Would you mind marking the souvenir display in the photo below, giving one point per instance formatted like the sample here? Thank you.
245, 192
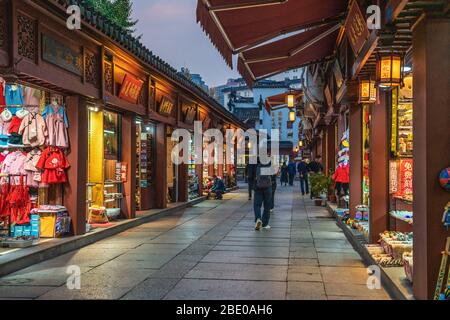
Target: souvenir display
444, 179
406, 216
446, 216
31, 158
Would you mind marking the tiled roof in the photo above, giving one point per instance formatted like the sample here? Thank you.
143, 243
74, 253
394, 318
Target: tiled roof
133, 45
246, 114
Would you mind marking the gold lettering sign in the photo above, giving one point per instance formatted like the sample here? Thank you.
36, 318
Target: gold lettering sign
356, 28
166, 106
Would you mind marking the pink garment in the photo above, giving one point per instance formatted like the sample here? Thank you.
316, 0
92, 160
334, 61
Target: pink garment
34, 176
33, 130
57, 124
13, 165
4, 127
32, 97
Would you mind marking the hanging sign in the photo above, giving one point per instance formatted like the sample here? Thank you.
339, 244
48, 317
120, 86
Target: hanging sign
394, 124
121, 172
189, 113
166, 106
130, 89
406, 177
59, 54
393, 177
356, 28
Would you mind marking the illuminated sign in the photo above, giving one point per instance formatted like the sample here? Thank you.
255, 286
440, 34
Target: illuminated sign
166, 106
130, 89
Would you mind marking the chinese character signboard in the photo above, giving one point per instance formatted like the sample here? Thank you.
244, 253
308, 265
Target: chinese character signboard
131, 89
121, 172
166, 106
393, 177
62, 56
356, 28
406, 177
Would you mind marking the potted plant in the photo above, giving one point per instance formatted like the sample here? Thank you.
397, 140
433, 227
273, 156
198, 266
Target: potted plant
331, 188
319, 188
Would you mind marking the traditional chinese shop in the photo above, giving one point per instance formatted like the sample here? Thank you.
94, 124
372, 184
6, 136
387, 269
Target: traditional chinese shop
86, 126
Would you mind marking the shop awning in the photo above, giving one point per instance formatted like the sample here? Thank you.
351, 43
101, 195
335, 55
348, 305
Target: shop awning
312, 46
280, 99
238, 25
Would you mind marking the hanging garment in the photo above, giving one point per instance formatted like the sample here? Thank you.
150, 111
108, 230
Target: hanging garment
33, 130
54, 164
19, 203
32, 97
57, 124
2, 95
14, 125
34, 176
4, 128
13, 165
342, 174
14, 97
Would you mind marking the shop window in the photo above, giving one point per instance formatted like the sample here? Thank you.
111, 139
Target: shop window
145, 145
193, 184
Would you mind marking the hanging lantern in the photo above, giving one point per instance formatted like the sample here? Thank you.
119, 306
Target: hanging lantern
367, 91
389, 70
290, 100
300, 144
292, 116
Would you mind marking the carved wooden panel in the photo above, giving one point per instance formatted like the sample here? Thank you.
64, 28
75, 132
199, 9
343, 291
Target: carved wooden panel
109, 79
3, 25
26, 37
92, 68
143, 95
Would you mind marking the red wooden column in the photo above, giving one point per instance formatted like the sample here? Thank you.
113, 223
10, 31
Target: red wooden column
183, 180
160, 183
129, 157
331, 148
379, 167
431, 144
356, 157
75, 189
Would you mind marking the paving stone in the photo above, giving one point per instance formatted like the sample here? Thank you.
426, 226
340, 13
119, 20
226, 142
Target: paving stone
305, 291
346, 275
340, 259
151, 289
194, 289
86, 293
238, 272
353, 290
22, 292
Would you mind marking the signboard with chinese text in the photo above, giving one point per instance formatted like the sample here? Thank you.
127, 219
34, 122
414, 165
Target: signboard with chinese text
166, 106
406, 178
130, 89
356, 28
62, 56
121, 172
393, 177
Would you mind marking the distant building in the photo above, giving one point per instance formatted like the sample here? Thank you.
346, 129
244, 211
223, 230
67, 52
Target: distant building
248, 104
196, 78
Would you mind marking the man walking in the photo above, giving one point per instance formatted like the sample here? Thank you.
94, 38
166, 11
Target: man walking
316, 166
302, 169
292, 171
263, 196
250, 172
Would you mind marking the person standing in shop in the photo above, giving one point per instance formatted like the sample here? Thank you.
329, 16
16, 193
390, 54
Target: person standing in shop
302, 169
250, 174
291, 171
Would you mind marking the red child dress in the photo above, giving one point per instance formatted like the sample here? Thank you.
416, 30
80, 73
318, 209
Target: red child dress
54, 164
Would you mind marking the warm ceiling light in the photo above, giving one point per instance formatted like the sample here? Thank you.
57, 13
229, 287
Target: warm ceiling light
292, 115
290, 100
367, 91
300, 143
389, 70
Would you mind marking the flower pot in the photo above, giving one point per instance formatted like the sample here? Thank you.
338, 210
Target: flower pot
318, 202
332, 198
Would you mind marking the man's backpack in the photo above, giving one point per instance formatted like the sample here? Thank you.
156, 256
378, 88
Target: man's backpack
262, 181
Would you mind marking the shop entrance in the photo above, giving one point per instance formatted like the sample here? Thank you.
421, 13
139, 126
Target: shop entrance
105, 186
172, 170
145, 147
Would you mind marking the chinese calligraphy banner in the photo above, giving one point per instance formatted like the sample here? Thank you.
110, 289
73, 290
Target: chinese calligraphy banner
406, 177
356, 28
131, 89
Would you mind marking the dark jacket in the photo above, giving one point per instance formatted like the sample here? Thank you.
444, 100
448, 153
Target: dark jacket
315, 167
302, 169
218, 186
284, 173
250, 171
291, 168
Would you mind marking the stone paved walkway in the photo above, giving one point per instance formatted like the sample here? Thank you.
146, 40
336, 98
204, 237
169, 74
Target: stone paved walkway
210, 251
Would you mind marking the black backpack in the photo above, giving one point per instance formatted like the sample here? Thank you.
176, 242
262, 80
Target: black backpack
262, 181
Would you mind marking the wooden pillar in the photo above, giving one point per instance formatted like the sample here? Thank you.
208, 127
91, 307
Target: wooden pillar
75, 189
331, 148
199, 171
379, 167
356, 157
183, 180
160, 175
129, 157
431, 144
